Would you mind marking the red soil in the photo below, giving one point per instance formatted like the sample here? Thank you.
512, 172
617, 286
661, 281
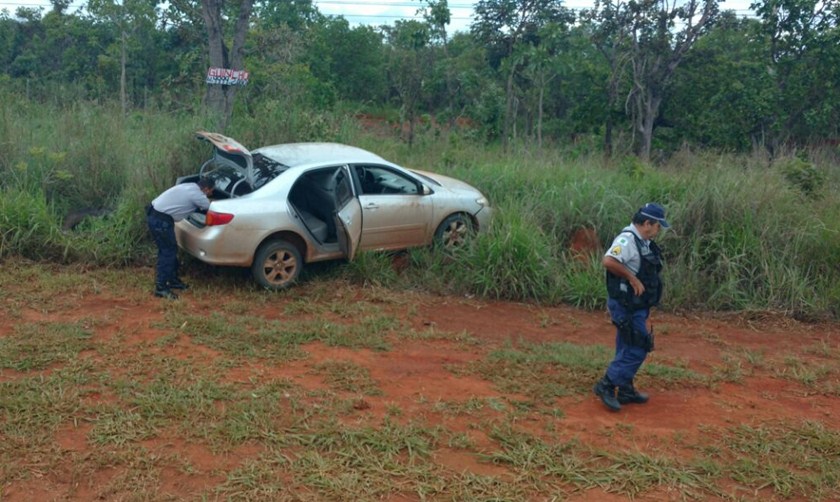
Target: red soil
417, 371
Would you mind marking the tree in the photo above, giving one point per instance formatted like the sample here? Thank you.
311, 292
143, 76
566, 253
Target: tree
609, 31
504, 25
804, 55
58, 48
351, 60
438, 17
723, 95
475, 93
129, 17
409, 59
298, 15
220, 98
651, 37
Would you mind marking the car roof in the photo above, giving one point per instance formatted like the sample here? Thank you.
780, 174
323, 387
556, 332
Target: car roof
298, 154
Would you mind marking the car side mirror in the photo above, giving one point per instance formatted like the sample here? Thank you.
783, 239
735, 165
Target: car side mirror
426, 190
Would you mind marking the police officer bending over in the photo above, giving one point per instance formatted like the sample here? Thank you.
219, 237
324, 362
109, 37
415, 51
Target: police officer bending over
173, 205
633, 264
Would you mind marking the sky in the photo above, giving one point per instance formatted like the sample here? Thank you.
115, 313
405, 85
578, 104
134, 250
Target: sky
378, 12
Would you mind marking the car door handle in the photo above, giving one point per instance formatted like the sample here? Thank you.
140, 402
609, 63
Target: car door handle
372, 205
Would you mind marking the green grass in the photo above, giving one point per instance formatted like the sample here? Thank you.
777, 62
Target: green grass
34, 346
34, 406
199, 382
346, 376
788, 458
809, 374
551, 370
725, 210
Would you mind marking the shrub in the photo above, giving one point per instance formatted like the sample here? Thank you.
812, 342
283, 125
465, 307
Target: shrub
28, 226
803, 175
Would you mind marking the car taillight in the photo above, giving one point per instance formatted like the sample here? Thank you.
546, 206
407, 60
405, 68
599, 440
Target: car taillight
214, 218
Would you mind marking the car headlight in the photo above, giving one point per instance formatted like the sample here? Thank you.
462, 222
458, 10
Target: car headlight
481, 201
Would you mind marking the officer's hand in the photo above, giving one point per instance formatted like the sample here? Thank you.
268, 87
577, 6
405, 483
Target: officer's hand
638, 287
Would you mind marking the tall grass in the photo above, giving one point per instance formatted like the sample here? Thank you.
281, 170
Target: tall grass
745, 235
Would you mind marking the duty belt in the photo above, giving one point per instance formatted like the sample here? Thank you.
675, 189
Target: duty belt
151, 211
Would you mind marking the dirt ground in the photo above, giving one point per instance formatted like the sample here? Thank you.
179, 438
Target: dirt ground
417, 371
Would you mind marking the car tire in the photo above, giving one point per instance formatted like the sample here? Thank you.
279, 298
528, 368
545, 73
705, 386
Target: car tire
453, 232
277, 265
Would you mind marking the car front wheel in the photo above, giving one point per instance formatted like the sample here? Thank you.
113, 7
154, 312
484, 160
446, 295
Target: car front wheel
453, 232
277, 265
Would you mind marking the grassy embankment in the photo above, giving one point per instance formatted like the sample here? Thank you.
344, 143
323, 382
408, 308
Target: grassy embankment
746, 235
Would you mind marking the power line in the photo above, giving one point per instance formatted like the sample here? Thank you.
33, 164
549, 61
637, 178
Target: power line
4, 3
388, 4
395, 16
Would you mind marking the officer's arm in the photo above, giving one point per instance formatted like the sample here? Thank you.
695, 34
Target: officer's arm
618, 268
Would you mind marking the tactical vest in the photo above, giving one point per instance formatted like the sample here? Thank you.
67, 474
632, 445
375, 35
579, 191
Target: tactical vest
620, 289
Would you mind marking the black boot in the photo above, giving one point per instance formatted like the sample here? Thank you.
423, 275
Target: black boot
178, 284
608, 392
162, 292
629, 394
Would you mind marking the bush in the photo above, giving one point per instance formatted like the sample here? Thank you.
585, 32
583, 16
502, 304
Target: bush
28, 226
803, 175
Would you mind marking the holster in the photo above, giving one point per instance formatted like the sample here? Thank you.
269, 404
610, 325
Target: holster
634, 337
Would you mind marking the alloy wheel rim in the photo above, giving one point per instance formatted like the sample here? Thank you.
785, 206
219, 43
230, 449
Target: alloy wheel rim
280, 267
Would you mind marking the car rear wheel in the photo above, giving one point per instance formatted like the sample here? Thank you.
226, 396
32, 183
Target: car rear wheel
454, 231
277, 265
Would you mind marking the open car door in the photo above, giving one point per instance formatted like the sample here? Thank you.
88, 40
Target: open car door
348, 215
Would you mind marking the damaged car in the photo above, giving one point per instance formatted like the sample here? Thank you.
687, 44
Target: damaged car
277, 208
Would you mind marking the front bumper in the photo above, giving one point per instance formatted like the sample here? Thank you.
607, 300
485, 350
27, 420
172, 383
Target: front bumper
483, 217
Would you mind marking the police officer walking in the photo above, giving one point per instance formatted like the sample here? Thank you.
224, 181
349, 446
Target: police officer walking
173, 205
633, 263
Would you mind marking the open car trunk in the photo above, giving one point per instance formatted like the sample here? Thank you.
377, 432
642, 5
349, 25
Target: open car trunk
234, 170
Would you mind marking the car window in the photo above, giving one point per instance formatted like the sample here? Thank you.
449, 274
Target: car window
266, 169
225, 177
382, 180
237, 159
343, 189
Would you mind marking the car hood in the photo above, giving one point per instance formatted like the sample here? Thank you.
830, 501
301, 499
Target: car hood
449, 183
232, 152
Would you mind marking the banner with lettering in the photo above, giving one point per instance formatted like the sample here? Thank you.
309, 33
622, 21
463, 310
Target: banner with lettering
224, 76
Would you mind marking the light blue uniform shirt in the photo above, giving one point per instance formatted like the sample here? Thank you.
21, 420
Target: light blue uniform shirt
181, 200
625, 251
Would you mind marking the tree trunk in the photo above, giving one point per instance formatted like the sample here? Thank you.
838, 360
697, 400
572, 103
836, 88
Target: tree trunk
646, 99
122, 76
651, 110
506, 127
612, 100
220, 98
540, 116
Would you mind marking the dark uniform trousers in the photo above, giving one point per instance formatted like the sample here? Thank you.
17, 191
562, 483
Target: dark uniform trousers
628, 358
162, 228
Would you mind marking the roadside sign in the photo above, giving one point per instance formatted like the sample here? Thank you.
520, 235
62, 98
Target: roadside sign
224, 76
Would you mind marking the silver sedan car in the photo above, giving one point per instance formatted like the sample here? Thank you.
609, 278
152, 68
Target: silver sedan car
279, 207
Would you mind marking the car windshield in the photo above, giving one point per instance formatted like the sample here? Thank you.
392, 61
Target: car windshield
266, 169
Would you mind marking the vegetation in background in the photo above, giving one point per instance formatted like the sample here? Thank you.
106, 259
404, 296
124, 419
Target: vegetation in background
524, 107
733, 245
636, 77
